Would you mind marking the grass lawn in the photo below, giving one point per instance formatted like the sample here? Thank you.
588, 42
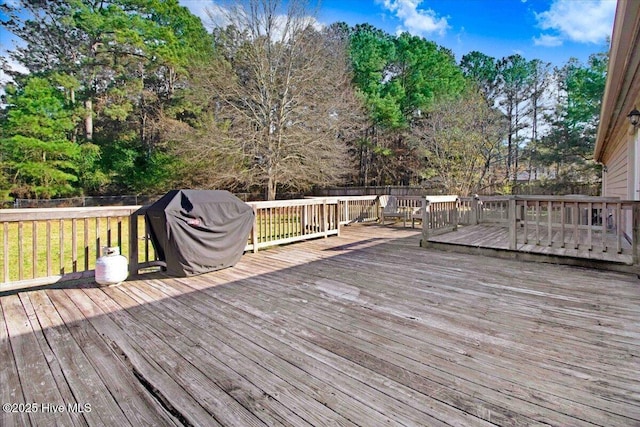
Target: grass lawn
54, 245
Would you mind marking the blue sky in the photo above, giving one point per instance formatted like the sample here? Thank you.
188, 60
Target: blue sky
550, 30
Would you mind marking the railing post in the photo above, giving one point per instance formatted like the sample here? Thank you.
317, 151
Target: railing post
635, 238
254, 230
346, 211
513, 222
304, 220
324, 219
337, 216
475, 213
426, 217
455, 214
133, 243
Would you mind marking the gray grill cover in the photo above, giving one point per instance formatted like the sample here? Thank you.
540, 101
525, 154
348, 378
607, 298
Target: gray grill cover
197, 231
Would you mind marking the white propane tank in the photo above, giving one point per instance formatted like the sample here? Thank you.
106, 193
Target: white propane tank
111, 268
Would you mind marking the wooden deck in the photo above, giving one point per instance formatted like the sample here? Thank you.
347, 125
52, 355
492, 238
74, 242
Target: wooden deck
496, 237
365, 329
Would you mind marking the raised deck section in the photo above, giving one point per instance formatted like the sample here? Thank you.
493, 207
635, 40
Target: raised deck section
493, 240
363, 329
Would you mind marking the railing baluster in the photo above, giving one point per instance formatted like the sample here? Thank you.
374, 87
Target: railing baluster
5, 245
589, 226
549, 222
5, 252
74, 244
48, 243
98, 239
513, 231
34, 249
147, 231
119, 228
562, 224
525, 222
604, 226
86, 243
538, 213
618, 227
61, 246
109, 232
20, 252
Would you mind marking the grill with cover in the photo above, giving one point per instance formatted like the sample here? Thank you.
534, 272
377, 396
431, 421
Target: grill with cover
198, 231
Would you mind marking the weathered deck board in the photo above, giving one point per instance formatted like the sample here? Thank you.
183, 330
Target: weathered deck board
366, 329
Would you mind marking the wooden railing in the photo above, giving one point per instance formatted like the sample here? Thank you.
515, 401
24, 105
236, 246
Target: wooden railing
276, 222
579, 223
484, 210
439, 215
352, 209
287, 221
43, 246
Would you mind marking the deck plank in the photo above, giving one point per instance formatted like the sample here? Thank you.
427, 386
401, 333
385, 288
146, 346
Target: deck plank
170, 392
222, 408
85, 382
364, 329
194, 343
132, 398
10, 391
37, 381
410, 359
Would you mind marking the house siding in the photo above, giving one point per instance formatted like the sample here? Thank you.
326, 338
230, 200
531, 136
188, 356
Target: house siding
617, 180
616, 146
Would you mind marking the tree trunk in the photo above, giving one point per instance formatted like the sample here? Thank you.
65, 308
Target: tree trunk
271, 188
88, 120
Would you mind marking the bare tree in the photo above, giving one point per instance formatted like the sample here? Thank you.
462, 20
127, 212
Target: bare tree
461, 139
280, 96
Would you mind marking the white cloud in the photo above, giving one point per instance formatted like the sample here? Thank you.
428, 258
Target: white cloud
215, 15
583, 21
547, 40
414, 20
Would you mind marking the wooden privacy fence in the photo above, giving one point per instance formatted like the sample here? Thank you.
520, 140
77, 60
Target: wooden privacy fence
569, 222
43, 246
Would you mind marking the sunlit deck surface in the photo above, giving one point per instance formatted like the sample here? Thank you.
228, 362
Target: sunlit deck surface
364, 329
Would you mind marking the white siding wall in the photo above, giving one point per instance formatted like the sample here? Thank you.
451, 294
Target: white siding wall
617, 181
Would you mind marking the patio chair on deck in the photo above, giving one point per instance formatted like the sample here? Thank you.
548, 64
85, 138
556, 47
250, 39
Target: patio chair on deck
416, 214
389, 209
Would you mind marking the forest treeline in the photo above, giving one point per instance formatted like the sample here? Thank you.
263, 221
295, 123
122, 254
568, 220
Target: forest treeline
137, 96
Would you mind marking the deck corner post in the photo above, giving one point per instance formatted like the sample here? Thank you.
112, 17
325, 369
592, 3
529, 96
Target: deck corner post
254, 230
346, 212
513, 221
456, 207
426, 221
475, 213
133, 243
